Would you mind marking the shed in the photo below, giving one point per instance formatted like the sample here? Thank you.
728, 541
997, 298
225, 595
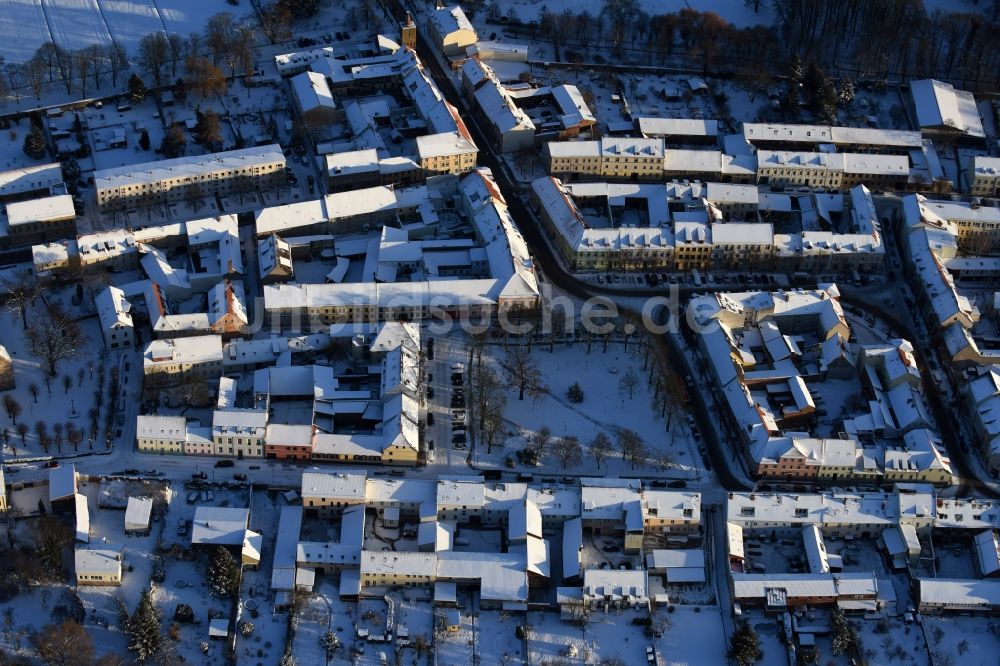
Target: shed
137, 515
218, 628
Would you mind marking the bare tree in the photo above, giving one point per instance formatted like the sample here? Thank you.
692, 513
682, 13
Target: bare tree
84, 60
178, 51
632, 448
34, 74
219, 31
664, 461
240, 52
567, 451
55, 337
12, 407
22, 431
493, 421
205, 78
600, 448
542, 438
14, 78
98, 61
154, 54
486, 389
629, 382
117, 58
276, 22
74, 435
19, 292
42, 430
65, 644
193, 391
523, 373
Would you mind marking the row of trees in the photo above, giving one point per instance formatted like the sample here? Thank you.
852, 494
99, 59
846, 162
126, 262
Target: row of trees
80, 68
897, 38
225, 42
867, 39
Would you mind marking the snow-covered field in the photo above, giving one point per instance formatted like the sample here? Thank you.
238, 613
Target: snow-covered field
27, 24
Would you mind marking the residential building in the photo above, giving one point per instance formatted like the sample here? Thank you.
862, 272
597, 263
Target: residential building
239, 432
115, 314
313, 100
31, 182
160, 434
98, 566
6, 370
984, 176
199, 356
274, 256
155, 183
452, 31
41, 220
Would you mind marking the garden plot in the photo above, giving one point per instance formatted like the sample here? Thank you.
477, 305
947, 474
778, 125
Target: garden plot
692, 636
266, 642
324, 611
963, 639
606, 407
604, 638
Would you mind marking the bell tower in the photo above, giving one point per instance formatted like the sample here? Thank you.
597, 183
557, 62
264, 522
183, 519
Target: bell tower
408, 32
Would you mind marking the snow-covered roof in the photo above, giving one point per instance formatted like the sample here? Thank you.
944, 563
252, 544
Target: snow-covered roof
97, 562
340, 485
453, 494
158, 426
450, 19
29, 179
138, 512
198, 349
664, 127
961, 594
312, 92
217, 525
501, 576
188, 166
400, 563
285, 548
62, 482
444, 144
939, 104
46, 209
112, 308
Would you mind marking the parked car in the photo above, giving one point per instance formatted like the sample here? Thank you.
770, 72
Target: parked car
224, 463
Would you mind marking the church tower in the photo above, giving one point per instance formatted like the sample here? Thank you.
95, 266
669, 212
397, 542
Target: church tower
408, 32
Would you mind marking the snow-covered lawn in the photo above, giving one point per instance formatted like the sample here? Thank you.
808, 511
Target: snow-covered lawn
692, 637
963, 639
606, 408
55, 404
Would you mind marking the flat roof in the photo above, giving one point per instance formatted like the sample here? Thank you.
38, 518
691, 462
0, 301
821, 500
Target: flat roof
219, 525
46, 209
27, 179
